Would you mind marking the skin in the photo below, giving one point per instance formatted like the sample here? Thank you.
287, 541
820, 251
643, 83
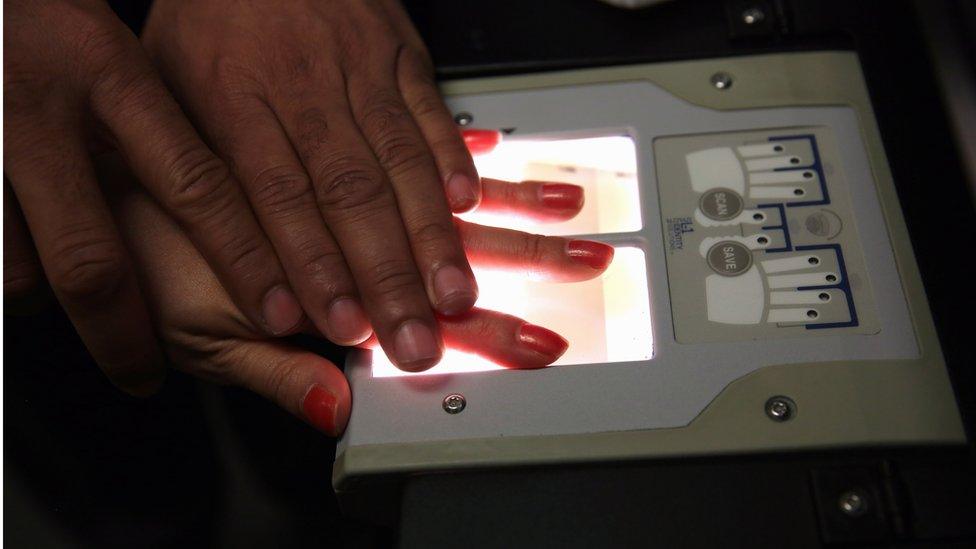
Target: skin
207, 335
328, 115
325, 153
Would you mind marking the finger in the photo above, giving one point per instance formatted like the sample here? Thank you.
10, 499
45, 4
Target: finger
360, 209
415, 76
193, 185
537, 200
404, 156
302, 383
503, 339
284, 201
481, 142
82, 254
23, 277
539, 257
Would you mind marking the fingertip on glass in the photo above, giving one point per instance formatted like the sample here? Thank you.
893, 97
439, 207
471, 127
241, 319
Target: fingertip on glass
415, 347
543, 341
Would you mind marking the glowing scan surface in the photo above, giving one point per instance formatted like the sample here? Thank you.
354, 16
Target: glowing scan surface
606, 168
606, 319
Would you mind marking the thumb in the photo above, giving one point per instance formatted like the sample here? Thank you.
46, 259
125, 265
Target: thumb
305, 384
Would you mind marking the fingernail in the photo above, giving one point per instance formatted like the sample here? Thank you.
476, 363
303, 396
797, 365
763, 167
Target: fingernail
595, 255
481, 141
320, 409
461, 193
281, 311
454, 292
347, 322
542, 341
416, 347
560, 196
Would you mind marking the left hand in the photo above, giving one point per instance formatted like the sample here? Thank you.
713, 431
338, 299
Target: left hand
328, 114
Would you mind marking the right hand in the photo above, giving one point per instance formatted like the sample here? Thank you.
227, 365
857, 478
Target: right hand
207, 336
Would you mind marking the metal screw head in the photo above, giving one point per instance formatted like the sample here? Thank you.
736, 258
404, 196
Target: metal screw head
753, 15
780, 408
721, 80
463, 118
853, 503
454, 403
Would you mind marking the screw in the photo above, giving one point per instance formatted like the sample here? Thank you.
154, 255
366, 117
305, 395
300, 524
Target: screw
780, 408
463, 118
853, 503
722, 80
454, 403
752, 16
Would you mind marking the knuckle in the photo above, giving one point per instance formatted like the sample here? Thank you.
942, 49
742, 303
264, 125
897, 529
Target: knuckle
432, 232
232, 79
388, 123
87, 267
391, 278
533, 249
281, 189
282, 376
318, 260
400, 151
208, 359
349, 184
21, 277
297, 64
313, 129
198, 179
244, 258
427, 104
383, 110
450, 148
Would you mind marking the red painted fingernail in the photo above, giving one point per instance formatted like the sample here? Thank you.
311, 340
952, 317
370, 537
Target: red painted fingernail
595, 255
281, 311
481, 141
320, 409
542, 341
560, 196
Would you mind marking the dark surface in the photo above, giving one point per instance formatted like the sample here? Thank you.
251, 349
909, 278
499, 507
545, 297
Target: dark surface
758, 501
197, 466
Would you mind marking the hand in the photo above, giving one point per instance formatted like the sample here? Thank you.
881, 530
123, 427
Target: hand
206, 335
329, 115
75, 76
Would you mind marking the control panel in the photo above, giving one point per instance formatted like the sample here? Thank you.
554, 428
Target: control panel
760, 237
